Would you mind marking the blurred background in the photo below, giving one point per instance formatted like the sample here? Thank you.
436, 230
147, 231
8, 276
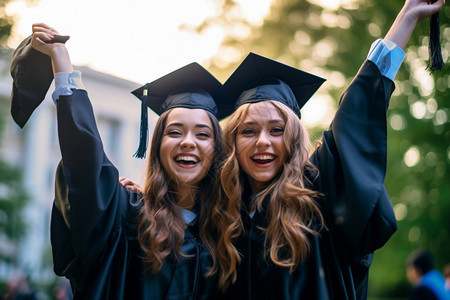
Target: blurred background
119, 46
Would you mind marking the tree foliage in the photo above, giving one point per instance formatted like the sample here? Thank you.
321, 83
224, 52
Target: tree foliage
6, 23
333, 42
13, 197
12, 201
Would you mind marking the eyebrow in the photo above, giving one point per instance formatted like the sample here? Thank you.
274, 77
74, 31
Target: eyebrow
178, 124
250, 123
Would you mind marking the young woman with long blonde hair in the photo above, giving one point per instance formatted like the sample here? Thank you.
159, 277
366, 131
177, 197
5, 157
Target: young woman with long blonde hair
307, 223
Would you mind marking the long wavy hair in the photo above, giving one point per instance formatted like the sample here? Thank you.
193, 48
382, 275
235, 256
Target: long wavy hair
291, 209
161, 226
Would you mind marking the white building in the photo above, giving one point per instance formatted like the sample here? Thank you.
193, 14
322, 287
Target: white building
35, 149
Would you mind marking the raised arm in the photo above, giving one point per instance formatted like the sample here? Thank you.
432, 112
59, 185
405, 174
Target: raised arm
412, 12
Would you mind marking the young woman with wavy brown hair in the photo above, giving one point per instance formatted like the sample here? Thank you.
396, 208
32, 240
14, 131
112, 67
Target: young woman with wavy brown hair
307, 224
158, 240
111, 242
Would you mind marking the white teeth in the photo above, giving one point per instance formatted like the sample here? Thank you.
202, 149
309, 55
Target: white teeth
187, 158
263, 157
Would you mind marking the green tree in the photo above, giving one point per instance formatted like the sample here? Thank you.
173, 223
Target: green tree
6, 23
12, 201
332, 42
13, 197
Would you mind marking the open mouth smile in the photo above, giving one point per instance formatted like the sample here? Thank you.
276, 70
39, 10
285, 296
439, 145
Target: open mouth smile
187, 160
263, 158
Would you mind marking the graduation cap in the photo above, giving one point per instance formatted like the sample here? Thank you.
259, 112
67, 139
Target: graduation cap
259, 78
32, 75
191, 86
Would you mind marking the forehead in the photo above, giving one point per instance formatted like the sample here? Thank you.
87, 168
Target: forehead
263, 110
187, 116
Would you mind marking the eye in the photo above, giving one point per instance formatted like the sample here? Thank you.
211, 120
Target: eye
203, 135
173, 132
277, 130
247, 131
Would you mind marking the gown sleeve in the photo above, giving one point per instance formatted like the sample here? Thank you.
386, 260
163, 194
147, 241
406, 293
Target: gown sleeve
352, 166
90, 204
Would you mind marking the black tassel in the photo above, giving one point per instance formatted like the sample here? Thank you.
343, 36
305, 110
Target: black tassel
143, 138
435, 61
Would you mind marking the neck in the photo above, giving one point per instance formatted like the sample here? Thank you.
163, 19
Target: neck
257, 186
185, 196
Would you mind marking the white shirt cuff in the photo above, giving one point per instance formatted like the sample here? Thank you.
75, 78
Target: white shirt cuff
387, 56
65, 82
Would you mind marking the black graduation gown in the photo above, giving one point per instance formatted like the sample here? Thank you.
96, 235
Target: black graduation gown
357, 211
94, 224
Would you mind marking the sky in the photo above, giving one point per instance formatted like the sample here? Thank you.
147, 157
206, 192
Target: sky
141, 40
138, 40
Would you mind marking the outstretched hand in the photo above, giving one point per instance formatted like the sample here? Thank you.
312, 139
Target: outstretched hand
42, 35
421, 9
412, 12
129, 184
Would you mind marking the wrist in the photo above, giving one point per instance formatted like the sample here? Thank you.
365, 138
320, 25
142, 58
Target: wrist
60, 59
57, 50
408, 16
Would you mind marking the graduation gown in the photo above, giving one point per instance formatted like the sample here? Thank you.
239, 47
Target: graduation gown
94, 224
356, 208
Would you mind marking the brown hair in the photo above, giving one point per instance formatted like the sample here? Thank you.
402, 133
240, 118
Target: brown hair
291, 208
161, 228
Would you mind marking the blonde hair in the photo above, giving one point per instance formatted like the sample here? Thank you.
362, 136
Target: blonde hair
291, 208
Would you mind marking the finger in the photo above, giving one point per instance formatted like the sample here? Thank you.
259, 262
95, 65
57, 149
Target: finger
439, 4
43, 36
40, 41
133, 188
49, 33
127, 182
43, 26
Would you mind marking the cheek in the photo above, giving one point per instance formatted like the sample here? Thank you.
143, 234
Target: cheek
282, 149
242, 145
208, 153
240, 149
164, 152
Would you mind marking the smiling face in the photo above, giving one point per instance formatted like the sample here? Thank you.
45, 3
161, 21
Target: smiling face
260, 147
187, 145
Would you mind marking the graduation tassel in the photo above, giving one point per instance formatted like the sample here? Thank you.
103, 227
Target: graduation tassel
435, 61
143, 138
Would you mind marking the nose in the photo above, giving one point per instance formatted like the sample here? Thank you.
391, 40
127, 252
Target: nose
263, 139
187, 142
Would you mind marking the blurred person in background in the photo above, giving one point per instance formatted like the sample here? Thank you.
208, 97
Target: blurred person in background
428, 283
447, 277
18, 288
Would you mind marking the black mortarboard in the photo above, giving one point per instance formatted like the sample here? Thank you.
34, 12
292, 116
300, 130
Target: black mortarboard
258, 79
191, 86
32, 75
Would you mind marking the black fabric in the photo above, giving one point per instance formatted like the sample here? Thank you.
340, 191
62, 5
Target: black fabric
357, 211
422, 293
259, 78
191, 86
94, 224
32, 75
